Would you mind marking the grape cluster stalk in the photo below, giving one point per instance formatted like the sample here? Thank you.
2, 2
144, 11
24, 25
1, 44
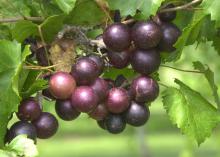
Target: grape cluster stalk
109, 102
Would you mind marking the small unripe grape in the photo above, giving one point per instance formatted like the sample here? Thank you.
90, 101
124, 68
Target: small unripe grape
62, 85
115, 124
168, 16
137, 114
46, 125
65, 110
146, 35
101, 124
117, 37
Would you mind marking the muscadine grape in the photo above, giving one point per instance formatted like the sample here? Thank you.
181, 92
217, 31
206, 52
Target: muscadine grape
85, 71
46, 125
41, 56
28, 110
62, 85
115, 124
84, 99
118, 100
99, 113
46, 93
137, 114
100, 87
65, 110
145, 61
145, 89
117, 37
20, 128
119, 59
170, 36
101, 124
110, 83
146, 35
168, 16
99, 62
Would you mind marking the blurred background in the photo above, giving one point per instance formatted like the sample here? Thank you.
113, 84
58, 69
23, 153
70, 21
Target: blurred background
158, 138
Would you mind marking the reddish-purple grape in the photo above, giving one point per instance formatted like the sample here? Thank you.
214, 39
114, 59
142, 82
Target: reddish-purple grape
145, 89
171, 33
168, 16
62, 85
145, 61
22, 128
28, 110
115, 124
99, 62
65, 110
84, 99
119, 59
117, 37
118, 100
137, 114
100, 87
85, 71
146, 35
99, 113
46, 125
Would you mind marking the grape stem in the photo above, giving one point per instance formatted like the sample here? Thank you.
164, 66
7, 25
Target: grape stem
183, 70
35, 67
15, 19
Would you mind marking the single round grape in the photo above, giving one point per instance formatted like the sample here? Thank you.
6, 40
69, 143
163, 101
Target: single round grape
29, 110
119, 59
137, 114
168, 16
46, 125
99, 113
117, 37
115, 124
22, 128
46, 93
84, 99
145, 89
62, 85
100, 87
171, 33
145, 61
118, 100
85, 71
110, 83
146, 35
41, 57
120, 80
101, 124
65, 110
99, 62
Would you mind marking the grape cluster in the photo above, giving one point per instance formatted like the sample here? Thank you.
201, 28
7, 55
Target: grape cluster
109, 102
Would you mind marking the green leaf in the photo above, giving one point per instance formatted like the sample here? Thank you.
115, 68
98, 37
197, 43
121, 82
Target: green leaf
86, 13
112, 73
65, 5
51, 26
193, 114
11, 59
210, 78
23, 30
5, 32
5, 153
23, 146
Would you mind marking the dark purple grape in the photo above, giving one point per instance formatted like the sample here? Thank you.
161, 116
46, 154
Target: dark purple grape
22, 128
119, 59
117, 37
29, 110
118, 100
99, 113
46, 125
168, 16
101, 124
145, 89
85, 71
84, 99
46, 93
171, 33
110, 83
99, 62
62, 85
65, 110
137, 114
115, 124
146, 35
100, 87
145, 61
6, 138
41, 56
120, 80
